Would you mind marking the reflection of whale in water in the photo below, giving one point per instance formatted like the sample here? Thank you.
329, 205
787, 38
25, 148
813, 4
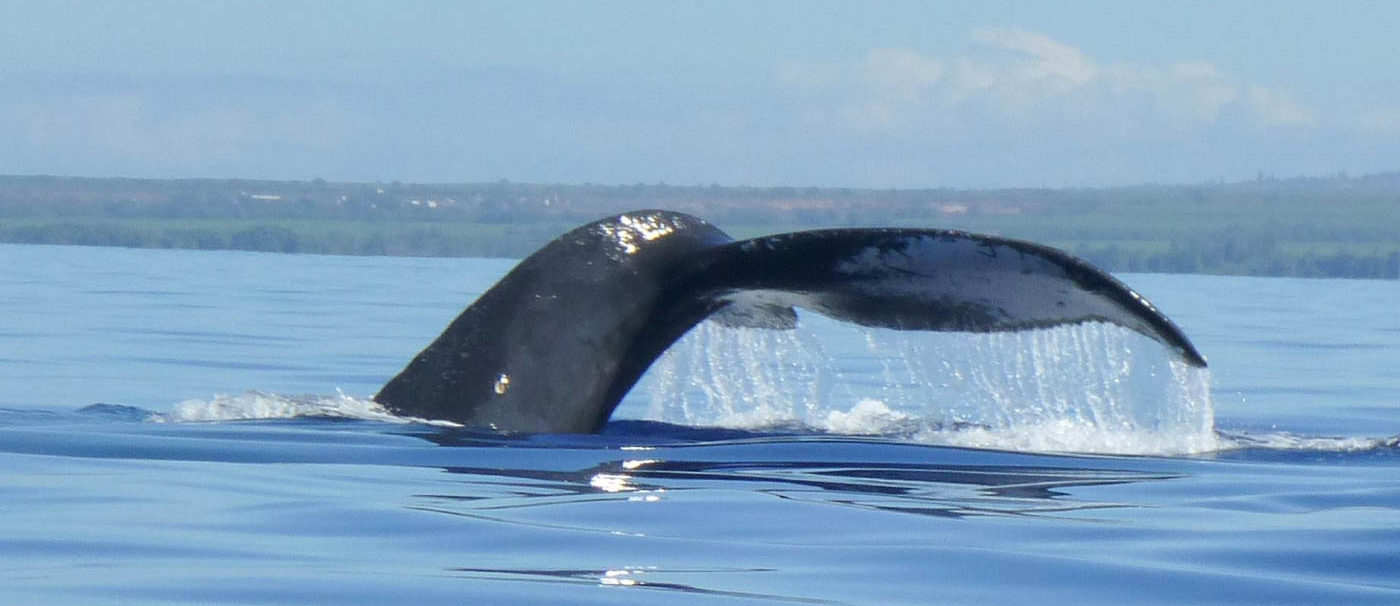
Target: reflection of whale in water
958, 485
555, 345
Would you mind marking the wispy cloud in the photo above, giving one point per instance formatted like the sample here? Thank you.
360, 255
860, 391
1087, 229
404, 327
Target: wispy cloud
1275, 107
903, 70
1010, 106
1040, 59
1027, 75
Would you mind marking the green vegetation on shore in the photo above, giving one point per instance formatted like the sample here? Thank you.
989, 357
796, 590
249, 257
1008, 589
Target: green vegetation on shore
1334, 227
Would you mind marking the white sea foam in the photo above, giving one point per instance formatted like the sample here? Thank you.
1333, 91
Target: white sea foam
1074, 436
252, 405
869, 417
1083, 389
1289, 441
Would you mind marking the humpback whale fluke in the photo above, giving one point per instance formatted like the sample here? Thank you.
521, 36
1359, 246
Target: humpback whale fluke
555, 345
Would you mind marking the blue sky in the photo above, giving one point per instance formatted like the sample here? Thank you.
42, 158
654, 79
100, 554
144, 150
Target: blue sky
886, 94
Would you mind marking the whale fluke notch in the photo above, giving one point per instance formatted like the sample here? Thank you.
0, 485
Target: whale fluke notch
557, 343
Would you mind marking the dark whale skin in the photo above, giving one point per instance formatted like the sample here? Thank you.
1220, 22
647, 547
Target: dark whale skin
555, 344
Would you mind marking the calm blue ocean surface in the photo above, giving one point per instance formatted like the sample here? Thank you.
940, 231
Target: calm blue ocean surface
194, 427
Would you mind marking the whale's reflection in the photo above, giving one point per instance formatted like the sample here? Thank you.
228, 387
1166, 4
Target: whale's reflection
638, 577
931, 489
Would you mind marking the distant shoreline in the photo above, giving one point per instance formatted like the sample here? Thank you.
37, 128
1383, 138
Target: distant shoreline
1315, 227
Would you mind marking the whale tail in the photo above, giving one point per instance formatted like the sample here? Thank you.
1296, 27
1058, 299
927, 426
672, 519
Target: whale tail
557, 343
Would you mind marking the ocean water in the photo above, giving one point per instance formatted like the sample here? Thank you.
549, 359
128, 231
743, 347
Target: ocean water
194, 427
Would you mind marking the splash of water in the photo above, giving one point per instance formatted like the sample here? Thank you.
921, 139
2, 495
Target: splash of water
760, 379
750, 378
1087, 388
252, 405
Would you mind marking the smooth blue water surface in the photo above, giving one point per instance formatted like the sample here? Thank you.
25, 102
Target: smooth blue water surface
312, 502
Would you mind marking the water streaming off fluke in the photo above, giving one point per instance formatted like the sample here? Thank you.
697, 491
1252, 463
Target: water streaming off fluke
1084, 388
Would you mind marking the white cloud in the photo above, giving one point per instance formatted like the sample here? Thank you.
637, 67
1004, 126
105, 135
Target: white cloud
1194, 92
1018, 74
1043, 59
1275, 107
1205, 90
902, 69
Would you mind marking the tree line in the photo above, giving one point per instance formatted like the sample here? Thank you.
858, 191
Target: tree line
1335, 226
